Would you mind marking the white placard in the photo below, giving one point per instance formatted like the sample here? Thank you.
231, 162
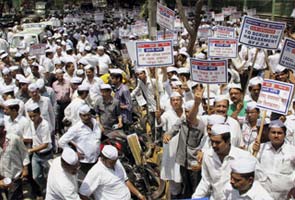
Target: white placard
275, 96
37, 49
204, 32
224, 32
222, 48
154, 53
165, 17
287, 57
169, 35
261, 33
209, 71
140, 28
218, 17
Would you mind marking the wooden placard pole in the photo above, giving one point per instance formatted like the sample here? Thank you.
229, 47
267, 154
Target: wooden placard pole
258, 138
251, 71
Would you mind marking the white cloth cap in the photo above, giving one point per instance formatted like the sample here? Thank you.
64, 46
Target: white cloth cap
188, 105
68, 48
221, 98
276, 124
84, 109
32, 106
13, 68
83, 87
110, 152
251, 105
105, 86
88, 67
23, 80
243, 165
100, 48
49, 50
174, 77
279, 69
76, 80
83, 61
11, 102
40, 83
69, 156
80, 72
59, 71
8, 88
184, 53
171, 69
5, 71
176, 83
215, 119
140, 69
234, 86
255, 81
218, 129
19, 76
175, 94
115, 71
33, 87
4, 55
87, 48
183, 70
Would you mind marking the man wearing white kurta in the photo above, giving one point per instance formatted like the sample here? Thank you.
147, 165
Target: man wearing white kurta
278, 161
216, 163
170, 170
65, 167
242, 184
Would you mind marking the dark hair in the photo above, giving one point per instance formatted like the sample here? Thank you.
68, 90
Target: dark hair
14, 107
248, 175
9, 93
116, 76
283, 127
81, 92
225, 136
37, 110
250, 87
68, 65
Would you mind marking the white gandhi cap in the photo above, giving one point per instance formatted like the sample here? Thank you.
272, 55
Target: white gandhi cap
215, 119
69, 156
32, 106
110, 152
84, 109
218, 129
243, 165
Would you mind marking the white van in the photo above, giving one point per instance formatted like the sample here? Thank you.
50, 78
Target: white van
31, 36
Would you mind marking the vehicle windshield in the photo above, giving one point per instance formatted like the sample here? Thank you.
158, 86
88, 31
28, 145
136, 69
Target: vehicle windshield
29, 39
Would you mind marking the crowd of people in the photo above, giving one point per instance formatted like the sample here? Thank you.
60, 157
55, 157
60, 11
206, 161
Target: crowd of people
81, 89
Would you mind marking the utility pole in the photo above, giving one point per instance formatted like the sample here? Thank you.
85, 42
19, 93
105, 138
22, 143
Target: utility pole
152, 5
245, 5
273, 10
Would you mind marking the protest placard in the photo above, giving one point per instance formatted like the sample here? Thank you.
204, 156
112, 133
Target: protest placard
222, 48
169, 35
218, 17
204, 32
165, 17
209, 71
224, 32
37, 49
275, 96
287, 57
154, 53
261, 33
178, 25
140, 28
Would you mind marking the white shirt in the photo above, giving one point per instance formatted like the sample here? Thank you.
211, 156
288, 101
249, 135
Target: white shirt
41, 135
87, 140
19, 126
290, 124
280, 168
46, 110
65, 187
215, 175
106, 183
72, 110
48, 64
170, 170
104, 61
256, 192
249, 134
260, 59
94, 90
